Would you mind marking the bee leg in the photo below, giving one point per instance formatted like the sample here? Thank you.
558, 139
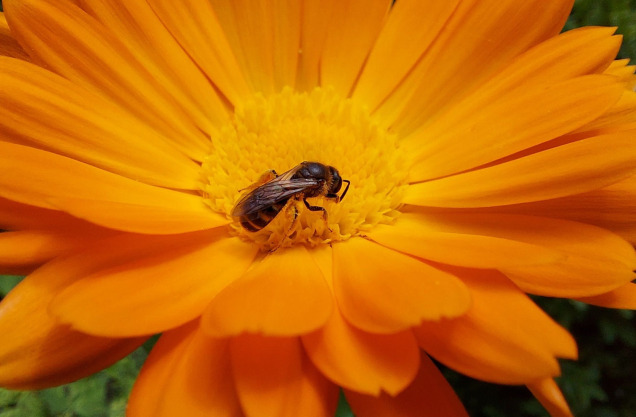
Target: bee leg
335, 197
318, 208
291, 212
293, 209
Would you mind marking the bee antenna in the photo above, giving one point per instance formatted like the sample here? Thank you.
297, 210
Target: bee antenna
346, 189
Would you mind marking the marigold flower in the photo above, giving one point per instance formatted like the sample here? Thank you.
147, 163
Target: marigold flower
488, 155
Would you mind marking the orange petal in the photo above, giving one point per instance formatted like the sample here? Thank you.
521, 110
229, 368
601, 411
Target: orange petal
351, 32
283, 294
479, 39
315, 17
622, 113
550, 396
570, 169
621, 297
363, 362
594, 260
323, 256
429, 395
571, 54
137, 25
444, 239
590, 268
383, 291
265, 37
186, 374
17, 216
8, 45
612, 207
80, 48
524, 118
194, 26
274, 378
51, 112
144, 218
504, 337
36, 350
624, 72
47, 180
411, 27
184, 279
587, 50
22, 251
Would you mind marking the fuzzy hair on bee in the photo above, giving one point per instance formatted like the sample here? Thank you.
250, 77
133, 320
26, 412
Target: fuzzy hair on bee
258, 207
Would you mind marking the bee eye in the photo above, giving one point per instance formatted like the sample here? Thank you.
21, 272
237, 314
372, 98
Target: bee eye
337, 180
337, 185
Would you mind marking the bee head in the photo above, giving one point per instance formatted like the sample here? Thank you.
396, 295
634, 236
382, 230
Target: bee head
336, 180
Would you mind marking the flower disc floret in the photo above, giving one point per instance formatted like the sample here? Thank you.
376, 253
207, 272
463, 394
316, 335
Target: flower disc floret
283, 130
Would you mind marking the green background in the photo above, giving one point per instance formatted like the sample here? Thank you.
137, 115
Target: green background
601, 384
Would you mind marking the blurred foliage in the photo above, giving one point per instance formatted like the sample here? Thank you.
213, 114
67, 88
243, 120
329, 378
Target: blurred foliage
101, 395
602, 383
620, 13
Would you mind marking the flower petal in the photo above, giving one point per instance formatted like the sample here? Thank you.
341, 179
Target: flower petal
315, 18
351, 32
411, 24
184, 279
621, 297
504, 337
524, 118
274, 377
481, 37
36, 350
51, 112
17, 216
145, 218
622, 113
440, 238
22, 251
85, 52
284, 294
62, 354
619, 68
565, 170
363, 362
264, 37
194, 25
612, 207
571, 54
382, 291
593, 260
186, 374
429, 395
99, 196
550, 396
136, 24
589, 268
8, 45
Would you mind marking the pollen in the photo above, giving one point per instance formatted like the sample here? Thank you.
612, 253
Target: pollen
281, 131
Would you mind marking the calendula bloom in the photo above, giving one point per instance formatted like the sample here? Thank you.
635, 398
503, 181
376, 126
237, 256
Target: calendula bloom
489, 157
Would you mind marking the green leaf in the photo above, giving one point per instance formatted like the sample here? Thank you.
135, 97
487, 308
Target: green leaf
7, 282
343, 409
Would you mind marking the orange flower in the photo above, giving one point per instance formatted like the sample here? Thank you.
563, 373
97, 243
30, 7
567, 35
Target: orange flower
489, 156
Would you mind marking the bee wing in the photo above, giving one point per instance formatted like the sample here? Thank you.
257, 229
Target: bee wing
274, 191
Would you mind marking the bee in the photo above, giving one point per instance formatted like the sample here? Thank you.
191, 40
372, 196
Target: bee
264, 202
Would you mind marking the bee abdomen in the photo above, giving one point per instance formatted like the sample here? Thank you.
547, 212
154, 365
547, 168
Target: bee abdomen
256, 221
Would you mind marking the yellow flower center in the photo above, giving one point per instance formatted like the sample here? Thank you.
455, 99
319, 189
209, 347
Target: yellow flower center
280, 132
